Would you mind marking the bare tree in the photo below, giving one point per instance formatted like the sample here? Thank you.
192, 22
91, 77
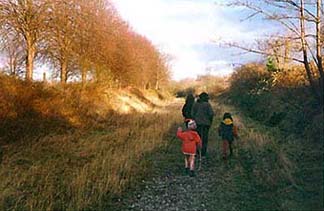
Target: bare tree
319, 47
25, 18
86, 39
61, 33
301, 23
279, 49
12, 49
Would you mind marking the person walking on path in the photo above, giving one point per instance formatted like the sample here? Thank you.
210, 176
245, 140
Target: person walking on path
186, 109
190, 140
228, 131
203, 114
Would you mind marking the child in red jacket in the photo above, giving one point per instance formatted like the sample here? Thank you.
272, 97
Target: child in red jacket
190, 139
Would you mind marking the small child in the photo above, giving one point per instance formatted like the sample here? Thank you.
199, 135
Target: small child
228, 131
190, 139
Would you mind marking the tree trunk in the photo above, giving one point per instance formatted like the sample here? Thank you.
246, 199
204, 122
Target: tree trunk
304, 49
319, 51
44, 77
15, 67
83, 75
11, 65
157, 85
286, 58
30, 60
63, 72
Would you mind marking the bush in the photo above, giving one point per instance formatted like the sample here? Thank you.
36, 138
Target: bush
315, 130
280, 99
249, 89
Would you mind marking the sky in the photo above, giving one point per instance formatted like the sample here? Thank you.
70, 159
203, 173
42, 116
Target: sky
193, 33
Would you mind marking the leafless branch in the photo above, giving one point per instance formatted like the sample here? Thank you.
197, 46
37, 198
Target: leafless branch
260, 52
290, 25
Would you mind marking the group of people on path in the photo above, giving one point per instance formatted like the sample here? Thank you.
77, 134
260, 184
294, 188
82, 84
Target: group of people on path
198, 117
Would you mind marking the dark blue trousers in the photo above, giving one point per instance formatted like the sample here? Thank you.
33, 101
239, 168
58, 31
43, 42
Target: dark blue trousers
203, 131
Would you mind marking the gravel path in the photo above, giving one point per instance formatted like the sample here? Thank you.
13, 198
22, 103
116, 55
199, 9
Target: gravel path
174, 190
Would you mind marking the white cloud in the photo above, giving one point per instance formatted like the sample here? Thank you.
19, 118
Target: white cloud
219, 67
177, 27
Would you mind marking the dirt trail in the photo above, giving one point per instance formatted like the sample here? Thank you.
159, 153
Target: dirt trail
171, 189
178, 191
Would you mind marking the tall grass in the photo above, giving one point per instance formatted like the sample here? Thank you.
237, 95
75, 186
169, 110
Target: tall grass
282, 100
284, 172
85, 166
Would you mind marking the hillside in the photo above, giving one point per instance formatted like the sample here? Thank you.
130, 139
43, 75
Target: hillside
72, 147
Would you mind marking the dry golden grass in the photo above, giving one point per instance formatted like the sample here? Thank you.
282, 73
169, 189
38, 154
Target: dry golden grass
86, 167
261, 146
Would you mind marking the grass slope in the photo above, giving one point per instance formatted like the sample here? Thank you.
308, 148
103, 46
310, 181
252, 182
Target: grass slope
82, 166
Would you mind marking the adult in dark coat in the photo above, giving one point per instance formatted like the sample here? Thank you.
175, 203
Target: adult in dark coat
186, 109
203, 114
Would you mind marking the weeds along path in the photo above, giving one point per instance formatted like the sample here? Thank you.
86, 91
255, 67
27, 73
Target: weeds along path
259, 176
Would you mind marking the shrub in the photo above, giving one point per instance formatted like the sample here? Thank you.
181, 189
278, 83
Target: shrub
249, 89
315, 130
281, 98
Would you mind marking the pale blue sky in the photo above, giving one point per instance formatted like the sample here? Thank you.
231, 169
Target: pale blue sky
191, 32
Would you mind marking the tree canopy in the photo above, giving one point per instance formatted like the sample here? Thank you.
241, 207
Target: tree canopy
84, 40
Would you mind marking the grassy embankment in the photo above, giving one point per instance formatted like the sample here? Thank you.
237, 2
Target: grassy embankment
73, 148
287, 158
272, 171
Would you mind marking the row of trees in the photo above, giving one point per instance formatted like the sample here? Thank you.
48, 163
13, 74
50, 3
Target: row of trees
301, 40
77, 38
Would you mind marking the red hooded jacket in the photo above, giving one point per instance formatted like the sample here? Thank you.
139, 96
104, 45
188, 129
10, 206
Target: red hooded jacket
190, 139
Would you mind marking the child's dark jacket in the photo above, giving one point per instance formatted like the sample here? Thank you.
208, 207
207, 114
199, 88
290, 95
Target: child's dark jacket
227, 130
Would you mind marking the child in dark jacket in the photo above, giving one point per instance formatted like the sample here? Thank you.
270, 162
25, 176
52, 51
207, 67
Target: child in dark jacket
228, 131
190, 139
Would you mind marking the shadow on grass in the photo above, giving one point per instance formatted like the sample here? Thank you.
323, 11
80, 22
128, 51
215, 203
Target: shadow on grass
30, 126
164, 161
